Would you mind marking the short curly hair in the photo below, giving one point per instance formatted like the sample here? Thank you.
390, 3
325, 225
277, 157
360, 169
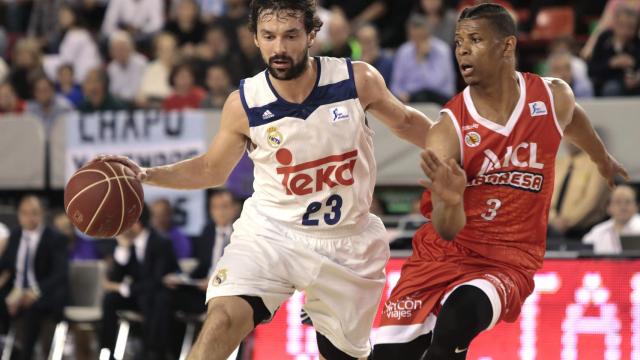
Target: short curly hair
312, 22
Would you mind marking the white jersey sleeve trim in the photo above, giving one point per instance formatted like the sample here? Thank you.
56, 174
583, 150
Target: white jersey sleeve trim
553, 107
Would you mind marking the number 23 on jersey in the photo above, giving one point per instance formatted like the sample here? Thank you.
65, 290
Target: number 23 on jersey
330, 217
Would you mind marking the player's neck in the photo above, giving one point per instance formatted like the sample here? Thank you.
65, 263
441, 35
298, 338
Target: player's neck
298, 89
497, 99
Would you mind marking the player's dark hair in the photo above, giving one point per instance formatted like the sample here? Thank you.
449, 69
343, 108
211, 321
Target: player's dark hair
502, 22
312, 22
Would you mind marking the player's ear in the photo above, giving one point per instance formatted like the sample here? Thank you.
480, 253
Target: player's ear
311, 38
255, 40
510, 45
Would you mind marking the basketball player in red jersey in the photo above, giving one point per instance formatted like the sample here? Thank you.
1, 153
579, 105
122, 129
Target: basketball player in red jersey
473, 264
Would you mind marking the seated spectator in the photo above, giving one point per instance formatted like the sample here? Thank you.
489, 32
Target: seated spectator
92, 11
162, 222
126, 67
186, 94
210, 10
141, 18
46, 104
367, 37
567, 44
559, 65
187, 27
144, 257
37, 255
359, 12
66, 85
219, 86
96, 94
155, 85
9, 101
339, 43
607, 18
41, 23
443, 19
625, 220
236, 14
215, 50
27, 65
250, 60
579, 195
615, 64
5, 280
79, 247
423, 67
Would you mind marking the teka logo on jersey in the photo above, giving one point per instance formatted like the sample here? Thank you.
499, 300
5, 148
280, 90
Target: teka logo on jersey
312, 176
402, 308
524, 155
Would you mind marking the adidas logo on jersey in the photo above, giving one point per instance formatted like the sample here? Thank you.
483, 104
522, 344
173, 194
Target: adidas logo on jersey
267, 115
538, 108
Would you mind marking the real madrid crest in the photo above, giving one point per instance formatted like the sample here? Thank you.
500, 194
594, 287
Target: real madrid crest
274, 137
472, 139
219, 277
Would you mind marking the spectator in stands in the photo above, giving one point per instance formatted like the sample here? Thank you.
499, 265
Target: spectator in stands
126, 67
359, 12
578, 196
77, 46
369, 41
41, 23
443, 19
46, 104
423, 67
214, 50
186, 94
567, 44
155, 85
27, 65
236, 14
208, 248
559, 65
96, 93
625, 220
38, 256
92, 12
210, 10
615, 64
162, 222
9, 101
5, 280
144, 257
141, 18
79, 247
218, 85
186, 26
606, 21
250, 60
66, 85
340, 44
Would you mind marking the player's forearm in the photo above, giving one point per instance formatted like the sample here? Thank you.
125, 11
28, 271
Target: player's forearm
582, 134
188, 174
448, 220
415, 127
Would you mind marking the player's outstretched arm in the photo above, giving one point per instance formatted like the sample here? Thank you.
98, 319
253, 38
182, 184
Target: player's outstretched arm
578, 130
206, 170
405, 121
446, 180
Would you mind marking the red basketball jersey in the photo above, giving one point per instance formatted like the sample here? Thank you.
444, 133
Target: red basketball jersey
510, 173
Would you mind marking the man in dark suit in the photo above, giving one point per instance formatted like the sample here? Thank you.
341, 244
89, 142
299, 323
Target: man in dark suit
37, 257
141, 259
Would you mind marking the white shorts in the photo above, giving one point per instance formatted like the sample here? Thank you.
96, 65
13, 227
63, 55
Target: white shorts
343, 277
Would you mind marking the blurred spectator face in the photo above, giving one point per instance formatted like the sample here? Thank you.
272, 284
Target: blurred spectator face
367, 36
166, 48
222, 208
625, 26
187, 12
284, 43
8, 98
245, 41
94, 87
121, 47
183, 80
161, 215
62, 223
431, 7
65, 76
622, 205
418, 32
216, 41
66, 17
30, 213
27, 54
43, 91
339, 30
559, 66
218, 80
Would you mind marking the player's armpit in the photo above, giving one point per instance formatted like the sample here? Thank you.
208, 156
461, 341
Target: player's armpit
405, 121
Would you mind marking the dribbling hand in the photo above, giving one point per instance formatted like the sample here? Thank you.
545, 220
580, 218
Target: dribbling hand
141, 173
445, 180
610, 168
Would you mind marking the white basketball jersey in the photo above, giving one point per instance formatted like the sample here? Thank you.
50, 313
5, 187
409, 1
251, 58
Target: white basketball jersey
314, 163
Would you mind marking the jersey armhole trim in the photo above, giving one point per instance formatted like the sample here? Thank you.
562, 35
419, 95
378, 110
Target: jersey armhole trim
244, 101
351, 76
553, 108
454, 120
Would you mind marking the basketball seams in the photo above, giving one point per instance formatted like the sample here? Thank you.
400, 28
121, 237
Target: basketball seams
135, 193
92, 185
121, 198
104, 199
106, 178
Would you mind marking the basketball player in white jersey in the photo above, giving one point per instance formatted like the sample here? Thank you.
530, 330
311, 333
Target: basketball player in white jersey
307, 227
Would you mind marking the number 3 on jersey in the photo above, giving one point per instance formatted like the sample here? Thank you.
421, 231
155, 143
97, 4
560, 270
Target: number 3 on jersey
330, 218
492, 210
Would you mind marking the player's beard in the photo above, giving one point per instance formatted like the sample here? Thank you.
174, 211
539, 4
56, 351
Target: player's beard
295, 70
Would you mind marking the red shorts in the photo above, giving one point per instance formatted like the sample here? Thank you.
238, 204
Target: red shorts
434, 270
